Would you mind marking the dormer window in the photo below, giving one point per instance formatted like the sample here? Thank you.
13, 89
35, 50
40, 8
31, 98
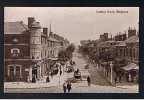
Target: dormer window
15, 52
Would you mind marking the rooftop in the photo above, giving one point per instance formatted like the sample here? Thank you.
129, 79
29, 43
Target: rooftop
52, 39
121, 43
14, 27
107, 43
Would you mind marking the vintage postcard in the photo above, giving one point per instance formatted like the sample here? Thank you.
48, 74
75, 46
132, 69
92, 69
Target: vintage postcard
71, 49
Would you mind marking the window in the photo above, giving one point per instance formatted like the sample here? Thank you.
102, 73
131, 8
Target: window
18, 71
15, 52
127, 52
14, 71
134, 53
130, 52
11, 71
45, 53
36, 40
15, 40
124, 52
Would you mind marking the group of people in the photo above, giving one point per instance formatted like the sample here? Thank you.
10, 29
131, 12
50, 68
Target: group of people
67, 86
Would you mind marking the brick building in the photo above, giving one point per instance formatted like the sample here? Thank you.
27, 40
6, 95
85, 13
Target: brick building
28, 50
17, 51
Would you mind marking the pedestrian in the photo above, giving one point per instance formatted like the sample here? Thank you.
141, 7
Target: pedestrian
129, 77
64, 87
28, 78
47, 79
120, 77
88, 81
69, 86
33, 79
115, 79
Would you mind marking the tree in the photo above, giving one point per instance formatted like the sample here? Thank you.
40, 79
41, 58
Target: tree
62, 55
70, 48
65, 55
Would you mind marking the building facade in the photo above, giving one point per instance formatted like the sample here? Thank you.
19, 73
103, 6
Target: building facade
17, 51
129, 48
114, 56
29, 49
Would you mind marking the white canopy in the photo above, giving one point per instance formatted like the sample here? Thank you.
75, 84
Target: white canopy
131, 66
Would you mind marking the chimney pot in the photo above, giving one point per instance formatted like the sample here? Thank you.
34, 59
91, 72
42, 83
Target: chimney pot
45, 31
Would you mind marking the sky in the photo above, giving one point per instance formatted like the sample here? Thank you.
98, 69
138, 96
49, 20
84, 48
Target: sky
78, 23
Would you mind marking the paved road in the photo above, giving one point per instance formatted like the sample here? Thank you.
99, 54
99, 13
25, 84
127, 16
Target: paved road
96, 78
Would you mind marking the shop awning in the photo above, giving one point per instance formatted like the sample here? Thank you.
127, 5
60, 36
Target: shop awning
53, 58
131, 66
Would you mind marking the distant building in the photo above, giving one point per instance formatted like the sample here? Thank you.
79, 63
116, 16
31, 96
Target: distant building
120, 37
104, 37
106, 49
131, 32
132, 49
129, 48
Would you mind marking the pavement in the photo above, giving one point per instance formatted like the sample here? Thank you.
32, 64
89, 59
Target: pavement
55, 81
79, 87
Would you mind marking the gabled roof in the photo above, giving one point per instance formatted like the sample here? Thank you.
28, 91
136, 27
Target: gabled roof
132, 39
14, 27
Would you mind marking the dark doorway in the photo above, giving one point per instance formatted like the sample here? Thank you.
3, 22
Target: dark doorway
34, 72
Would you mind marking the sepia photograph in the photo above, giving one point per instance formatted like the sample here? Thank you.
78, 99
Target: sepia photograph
71, 49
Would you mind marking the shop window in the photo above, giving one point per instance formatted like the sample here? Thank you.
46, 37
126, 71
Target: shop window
14, 71
11, 71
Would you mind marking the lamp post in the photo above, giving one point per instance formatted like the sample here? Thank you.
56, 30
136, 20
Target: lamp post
59, 80
60, 73
111, 67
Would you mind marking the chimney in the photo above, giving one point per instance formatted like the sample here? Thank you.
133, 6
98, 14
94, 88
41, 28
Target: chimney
105, 36
124, 37
30, 21
45, 31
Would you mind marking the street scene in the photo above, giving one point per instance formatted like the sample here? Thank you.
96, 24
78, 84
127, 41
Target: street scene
71, 50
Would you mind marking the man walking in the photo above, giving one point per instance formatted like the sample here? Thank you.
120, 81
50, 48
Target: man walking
64, 87
69, 86
88, 81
